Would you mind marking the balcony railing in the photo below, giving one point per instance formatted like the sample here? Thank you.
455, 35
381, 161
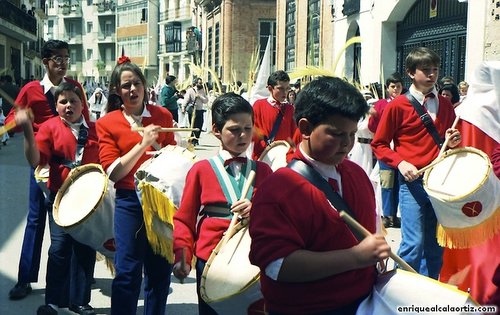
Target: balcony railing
106, 7
176, 14
16, 16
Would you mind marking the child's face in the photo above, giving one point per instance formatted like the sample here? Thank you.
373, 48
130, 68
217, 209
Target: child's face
236, 135
463, 90
69, 106
446, 94
330, 141
279, 91
425, 78
394, 89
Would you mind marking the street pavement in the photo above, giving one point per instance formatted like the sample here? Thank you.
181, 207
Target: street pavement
14, 174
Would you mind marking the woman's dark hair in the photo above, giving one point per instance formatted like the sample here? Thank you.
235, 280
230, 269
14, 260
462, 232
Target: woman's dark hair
455, 94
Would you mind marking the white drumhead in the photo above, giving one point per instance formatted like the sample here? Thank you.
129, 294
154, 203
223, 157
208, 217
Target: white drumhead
458, 174
275, 155
231, 272
81, 197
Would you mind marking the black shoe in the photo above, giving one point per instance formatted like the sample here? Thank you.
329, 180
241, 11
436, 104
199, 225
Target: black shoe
20, 291
46, 310
388, 222
82, 309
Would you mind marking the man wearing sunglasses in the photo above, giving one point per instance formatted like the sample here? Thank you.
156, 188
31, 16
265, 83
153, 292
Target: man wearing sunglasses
38, 96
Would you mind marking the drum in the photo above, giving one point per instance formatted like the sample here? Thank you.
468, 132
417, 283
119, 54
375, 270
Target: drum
84, 207
275, 154
159, 184
465, 194
403, 292
230, 283
42, 177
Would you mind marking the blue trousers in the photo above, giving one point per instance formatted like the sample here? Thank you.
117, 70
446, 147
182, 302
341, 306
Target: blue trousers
419, 247
70, 268
133, 252
29, 262
389, 183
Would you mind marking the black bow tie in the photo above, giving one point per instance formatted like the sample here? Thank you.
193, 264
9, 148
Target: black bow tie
240, 159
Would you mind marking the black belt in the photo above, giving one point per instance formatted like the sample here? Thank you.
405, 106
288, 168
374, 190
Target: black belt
364, 140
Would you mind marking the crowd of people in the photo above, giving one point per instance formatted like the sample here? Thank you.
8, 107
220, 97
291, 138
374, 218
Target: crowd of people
310, 260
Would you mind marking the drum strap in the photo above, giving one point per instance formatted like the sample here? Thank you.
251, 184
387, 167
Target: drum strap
276, 126
230, 186
319, 182
426, 119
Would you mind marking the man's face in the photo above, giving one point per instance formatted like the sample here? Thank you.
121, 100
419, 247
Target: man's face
58, 63
279, 91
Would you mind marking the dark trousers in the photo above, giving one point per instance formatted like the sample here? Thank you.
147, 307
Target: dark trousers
345, 310
203, 307
175, 114
29, 262
389, 184
70, 268
133, 252
198, 122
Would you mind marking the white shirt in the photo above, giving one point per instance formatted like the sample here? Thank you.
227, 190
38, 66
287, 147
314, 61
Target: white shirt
432, 104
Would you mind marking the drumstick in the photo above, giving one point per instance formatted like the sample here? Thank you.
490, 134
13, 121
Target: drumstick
230, 229
140, 129
445, 144
183, 263
10, 125
361, 230
425, 168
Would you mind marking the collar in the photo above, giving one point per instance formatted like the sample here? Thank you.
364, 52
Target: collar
48, 85
145, 112
75, 126
226, 155
325, 170
274, 102
419, 95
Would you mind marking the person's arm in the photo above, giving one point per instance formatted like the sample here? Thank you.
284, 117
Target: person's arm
128, 161
306, 266
23, 119
202, 96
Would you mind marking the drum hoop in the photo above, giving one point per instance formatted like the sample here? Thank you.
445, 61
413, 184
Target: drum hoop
214, 254
456, 151
271, 146
141, 174
36, 173
77, 172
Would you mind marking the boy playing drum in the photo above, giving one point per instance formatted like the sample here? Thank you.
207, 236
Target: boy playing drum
63, 142
310, 261
206, 209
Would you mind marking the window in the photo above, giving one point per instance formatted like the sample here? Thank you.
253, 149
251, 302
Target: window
108, 28
210, 46
216, 50
50, 29
173, 39
290, 35
90, 26
89, 2
313, 32
267, 29
89, 54
51, 4
131, 14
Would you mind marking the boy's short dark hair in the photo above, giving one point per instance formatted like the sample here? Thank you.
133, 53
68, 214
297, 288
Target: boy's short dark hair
276, 76
50, 46
393, 78
421, 57
67, 86
327, 96
226, 105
